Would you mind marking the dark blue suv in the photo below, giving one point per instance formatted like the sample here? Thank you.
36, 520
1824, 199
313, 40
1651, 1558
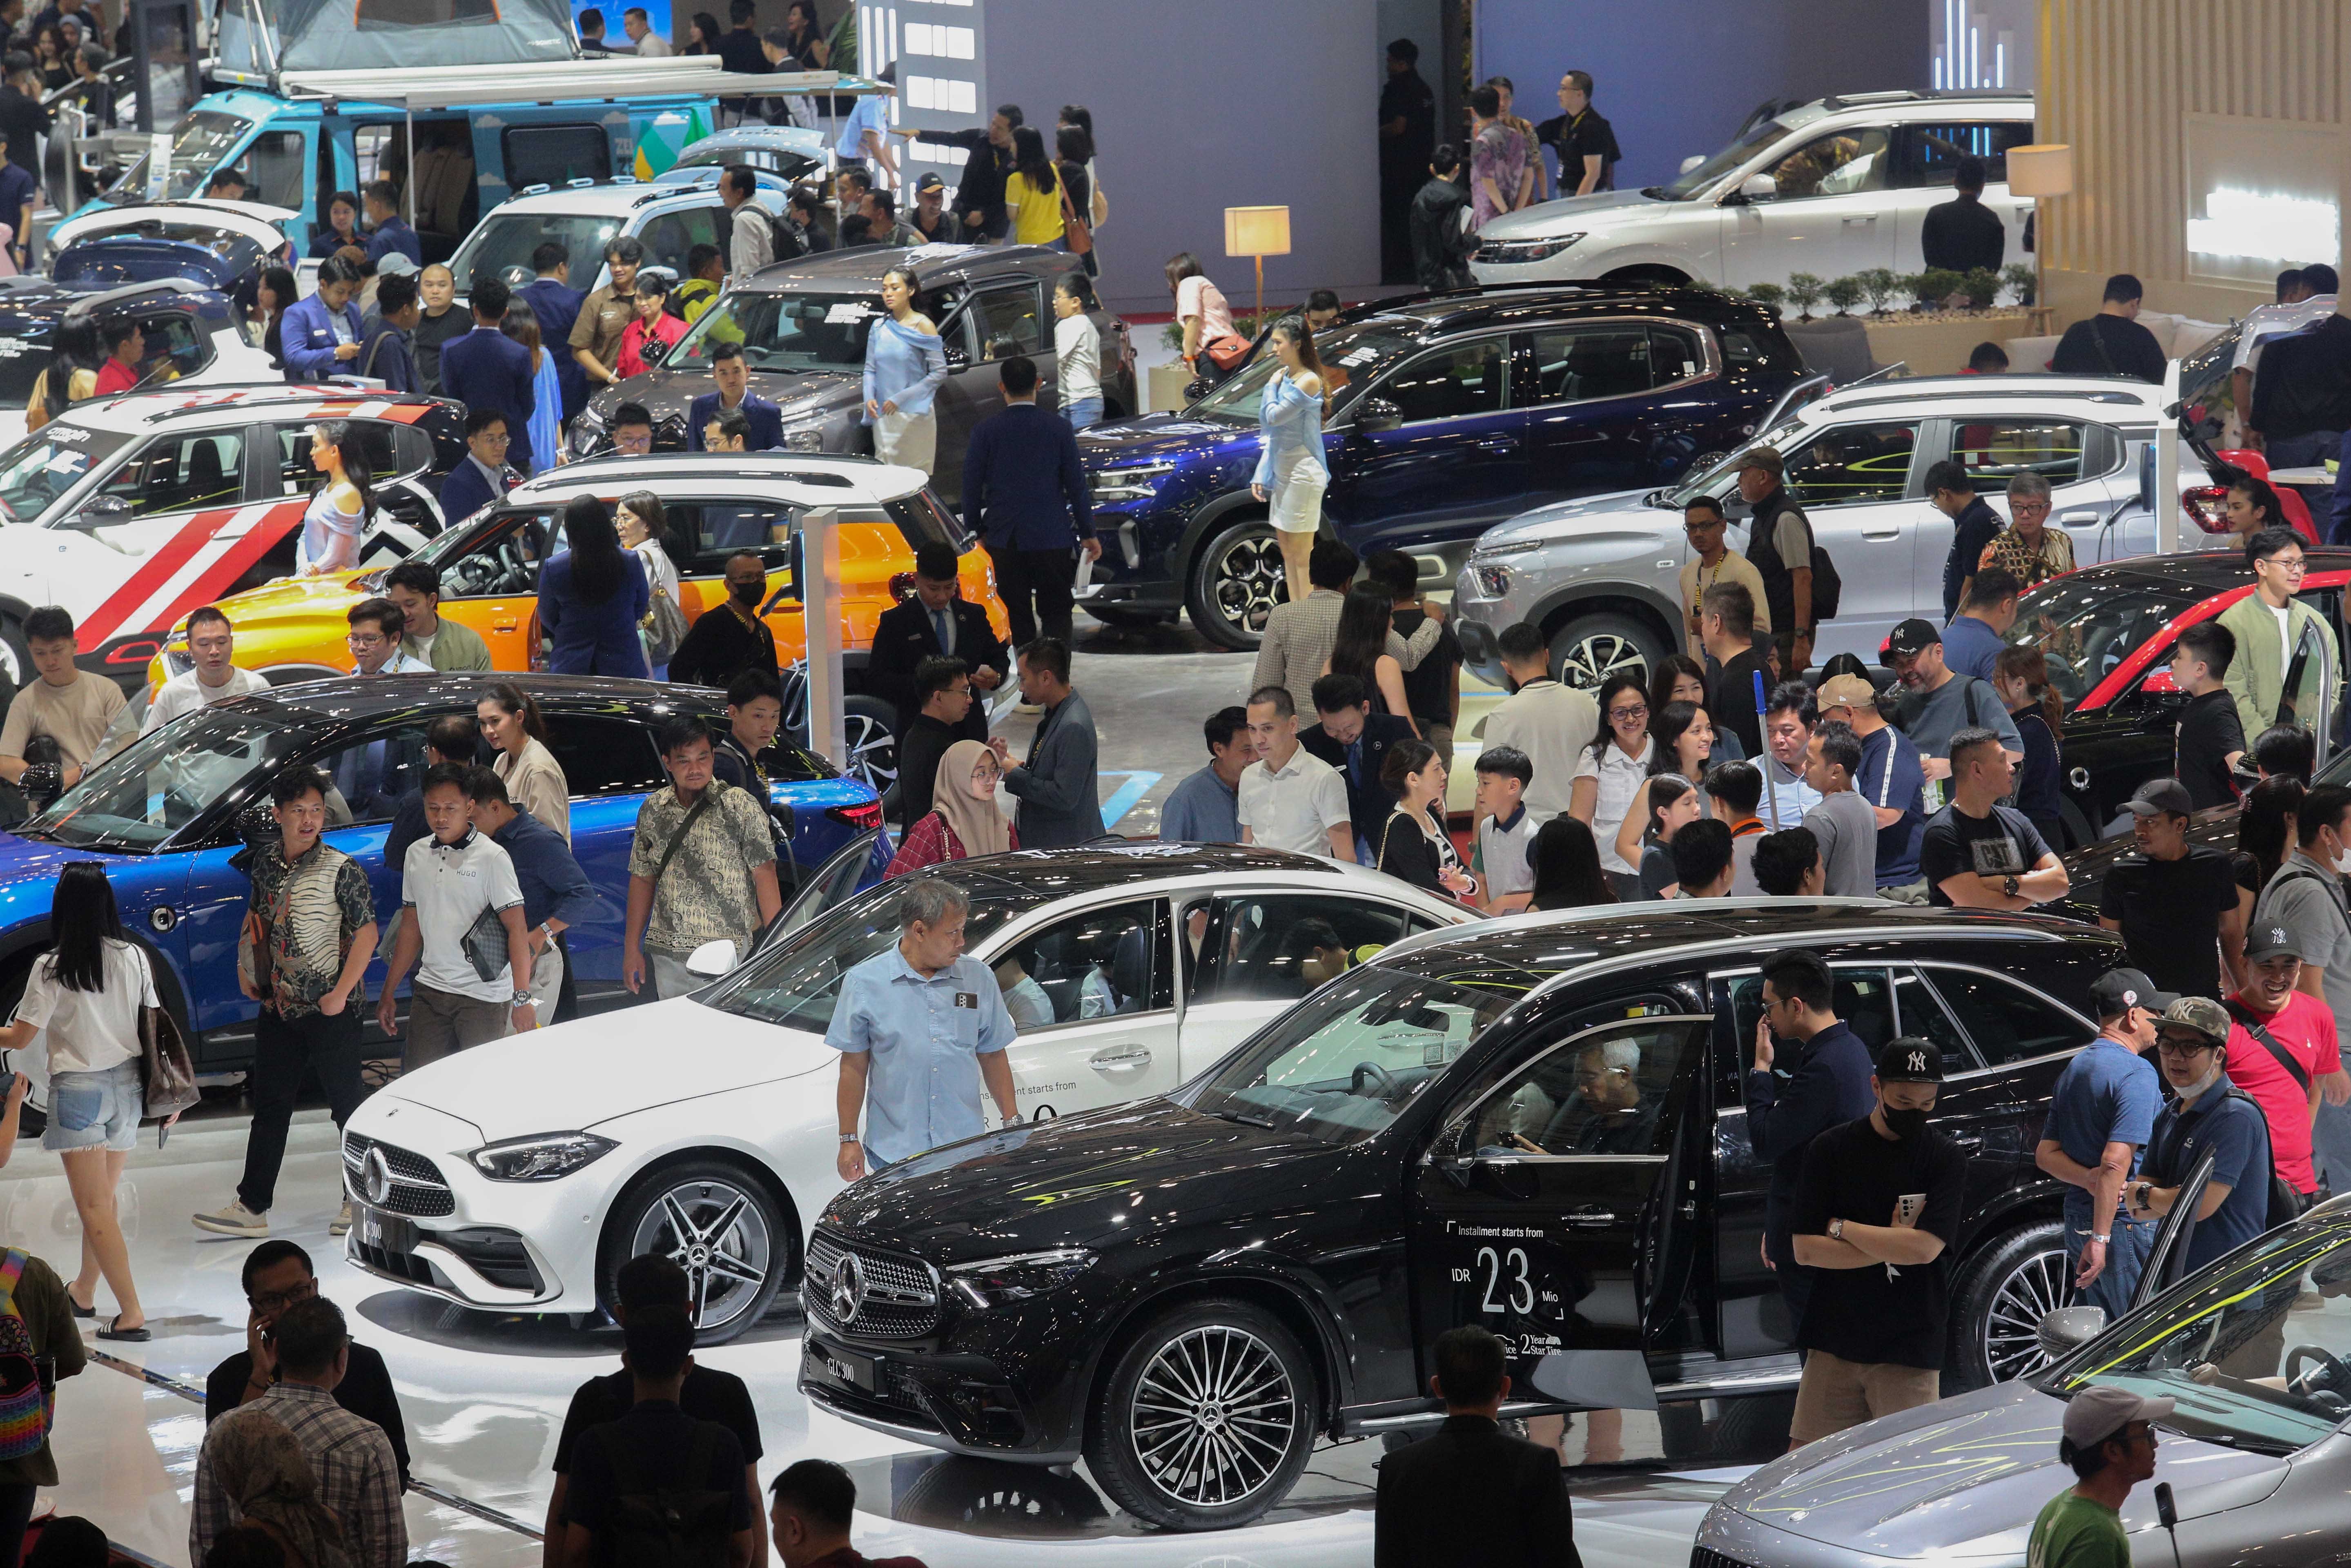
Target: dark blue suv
1457, 411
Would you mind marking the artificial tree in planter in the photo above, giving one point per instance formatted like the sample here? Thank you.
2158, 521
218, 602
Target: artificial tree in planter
2020, 279
1981, 286
1935, 284
1882, 286
1844, 293
1769, 294
1804, 291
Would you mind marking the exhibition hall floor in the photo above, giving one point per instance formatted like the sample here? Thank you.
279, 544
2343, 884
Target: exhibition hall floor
483, 1397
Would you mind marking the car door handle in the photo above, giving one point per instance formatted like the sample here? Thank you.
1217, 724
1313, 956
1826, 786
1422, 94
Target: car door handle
1120, 1056
1860, 222
1499, 444
2077, 519
1591, 1217
1880, 536
1968, 1141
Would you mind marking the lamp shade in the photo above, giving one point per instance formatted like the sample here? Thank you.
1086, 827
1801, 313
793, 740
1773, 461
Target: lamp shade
1257, 230
2042, 169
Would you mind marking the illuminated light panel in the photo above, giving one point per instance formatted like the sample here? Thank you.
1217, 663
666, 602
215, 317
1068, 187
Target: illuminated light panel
2267, 228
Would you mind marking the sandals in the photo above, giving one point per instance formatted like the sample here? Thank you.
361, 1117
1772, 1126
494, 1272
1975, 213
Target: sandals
139, 1335
79, 1310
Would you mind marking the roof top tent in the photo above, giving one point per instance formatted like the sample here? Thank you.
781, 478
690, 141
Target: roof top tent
257, 39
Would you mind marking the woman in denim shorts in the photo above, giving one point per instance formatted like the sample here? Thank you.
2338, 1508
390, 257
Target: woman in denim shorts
86, 993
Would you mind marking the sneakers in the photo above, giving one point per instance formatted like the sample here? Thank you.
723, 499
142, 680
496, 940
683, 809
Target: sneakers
234, 1220
343, 1224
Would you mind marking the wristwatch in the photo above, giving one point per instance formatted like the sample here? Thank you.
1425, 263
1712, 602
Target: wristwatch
2008, 885
1836, 1229
523, 998
849, 1138
2101, 1240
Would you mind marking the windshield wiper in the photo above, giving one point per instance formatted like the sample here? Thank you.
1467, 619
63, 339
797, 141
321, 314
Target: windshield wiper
2244, 1444
1244, 1120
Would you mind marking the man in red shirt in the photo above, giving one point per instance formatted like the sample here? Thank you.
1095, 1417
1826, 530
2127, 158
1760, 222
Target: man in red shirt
2282, 1044
125, 347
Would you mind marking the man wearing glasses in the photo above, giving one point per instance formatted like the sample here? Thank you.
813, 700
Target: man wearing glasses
1715, 561
2276, 676
2028, 549
483, 475
2205, 1117
632, 430
278, 1274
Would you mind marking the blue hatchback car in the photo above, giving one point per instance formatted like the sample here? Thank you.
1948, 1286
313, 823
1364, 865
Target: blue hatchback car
1451, 413
171, 816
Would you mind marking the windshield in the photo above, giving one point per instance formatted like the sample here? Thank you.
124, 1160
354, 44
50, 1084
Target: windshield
501, 248
164, 780
43, 466
2087, 627
1344, 1064
797, 984
1690, 184
1360, 353
1719, 478
784, 331
200, 143
2256, 1348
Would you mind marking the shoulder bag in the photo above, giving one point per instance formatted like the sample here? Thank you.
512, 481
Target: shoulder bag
167, 1077
1077, 233
677, 840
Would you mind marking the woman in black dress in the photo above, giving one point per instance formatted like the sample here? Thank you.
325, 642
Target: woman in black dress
1414, 844
1565, 859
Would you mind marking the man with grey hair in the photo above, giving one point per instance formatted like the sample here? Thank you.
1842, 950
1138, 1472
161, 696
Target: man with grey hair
1619, 1119
2028, 549
908, 1020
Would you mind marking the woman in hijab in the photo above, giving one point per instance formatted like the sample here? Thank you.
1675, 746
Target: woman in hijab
264, 1472
964, 823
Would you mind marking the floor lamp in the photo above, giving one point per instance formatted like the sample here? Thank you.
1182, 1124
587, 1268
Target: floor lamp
2038, 170
1258, 233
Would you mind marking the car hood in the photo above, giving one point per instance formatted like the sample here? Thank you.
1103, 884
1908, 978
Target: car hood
1156, 437
323, 598
1616, 511
1122, 1175
1570, 213
800, 394
1965, 1478
570, 1077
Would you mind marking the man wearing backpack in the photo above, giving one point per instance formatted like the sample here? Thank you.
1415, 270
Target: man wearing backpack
1779, 547
37, 1326
657, 1489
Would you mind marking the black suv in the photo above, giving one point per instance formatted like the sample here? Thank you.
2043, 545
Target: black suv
1186, 1291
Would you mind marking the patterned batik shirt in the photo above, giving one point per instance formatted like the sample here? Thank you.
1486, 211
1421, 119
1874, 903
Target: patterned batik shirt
304, 916
706, 894
2008, 550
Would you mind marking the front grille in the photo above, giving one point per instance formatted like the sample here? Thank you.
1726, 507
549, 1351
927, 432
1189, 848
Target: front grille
402, 1265
902, 1294
416, 1190
1707, 1557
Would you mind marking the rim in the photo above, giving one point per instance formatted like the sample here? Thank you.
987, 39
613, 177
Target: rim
1213, 1416
719, 1237
873, 752
1244, 582
2012, 1339
9, 666
1591, 660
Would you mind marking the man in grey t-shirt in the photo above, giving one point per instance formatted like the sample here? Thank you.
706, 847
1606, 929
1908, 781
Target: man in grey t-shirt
1842, 823
1941, 701
2306, 897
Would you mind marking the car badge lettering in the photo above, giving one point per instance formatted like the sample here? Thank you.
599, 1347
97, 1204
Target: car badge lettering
375, 1178
848, 1287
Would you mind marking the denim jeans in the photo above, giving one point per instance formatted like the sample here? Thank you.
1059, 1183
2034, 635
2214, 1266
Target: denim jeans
2126, 1250
1082, 413
2310, 451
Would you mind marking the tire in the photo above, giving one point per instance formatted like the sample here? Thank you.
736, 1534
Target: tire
715, 1195
1236, 583
16, 654
1253, 1465
869, 727
1996, 1302
1591, 648
991, 1496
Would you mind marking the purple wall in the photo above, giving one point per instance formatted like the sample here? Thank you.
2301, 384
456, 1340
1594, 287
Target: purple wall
1676, 77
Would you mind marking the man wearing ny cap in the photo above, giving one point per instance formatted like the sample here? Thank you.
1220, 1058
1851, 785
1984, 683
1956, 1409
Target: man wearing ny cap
2205, 1117
1878, 1205
1890, 780
2101, 1114
1940, 702
2283, 1047
2306, 897
2173, 902
2108, 1440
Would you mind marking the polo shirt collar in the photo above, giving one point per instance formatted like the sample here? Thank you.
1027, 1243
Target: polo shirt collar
903, 971
462, 845
1503, 825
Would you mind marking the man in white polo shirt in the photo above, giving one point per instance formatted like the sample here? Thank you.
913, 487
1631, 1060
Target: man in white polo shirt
212, 643
450, 882
1290, 800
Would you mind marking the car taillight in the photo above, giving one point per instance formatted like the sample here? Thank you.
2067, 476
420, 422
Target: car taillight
2206, 507
862, 818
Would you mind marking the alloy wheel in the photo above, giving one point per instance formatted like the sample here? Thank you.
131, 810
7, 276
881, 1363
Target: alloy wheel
873, 752
2036, 1287
1212, 1415
719, 1236
1590, 660
1246, 580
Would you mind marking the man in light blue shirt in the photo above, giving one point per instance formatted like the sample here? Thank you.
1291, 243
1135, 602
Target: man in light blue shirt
1973, 641
2101, 1114
1205, 808
865, 134
908, 1024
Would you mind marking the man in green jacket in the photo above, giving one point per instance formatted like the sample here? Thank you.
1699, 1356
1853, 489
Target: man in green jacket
2271, 625
416, 587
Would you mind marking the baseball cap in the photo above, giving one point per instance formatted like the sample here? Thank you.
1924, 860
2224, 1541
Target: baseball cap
1767, 458
1846, 691
2161, 796
928, 181
2098, 1412
2263, 943
2117, 990
1906, 1058
1913, 637
394, 264
2202, 1014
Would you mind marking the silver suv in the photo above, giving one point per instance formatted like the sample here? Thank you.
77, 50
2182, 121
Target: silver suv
1599, 576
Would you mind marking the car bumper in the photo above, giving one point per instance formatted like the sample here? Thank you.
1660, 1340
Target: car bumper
958, 1403
1731, 1538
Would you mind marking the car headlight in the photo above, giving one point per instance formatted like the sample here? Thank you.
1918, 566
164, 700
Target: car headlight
177, 659
1000, 1281
1517, 251
1493, 581
543, 1158
806, 438
1128, 484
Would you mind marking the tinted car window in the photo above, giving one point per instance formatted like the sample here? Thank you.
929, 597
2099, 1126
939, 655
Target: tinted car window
181, 473
173, 336
797, 984
2085, 628
501, 246
1931, 154
1864, 1001
1838, 164
1576, 364
1264, 944
669, 236
1600, 1094
783, 331
1101, 963
297, 477
1450, 383
2007, 1022
365, 779
275, 165
1922, 1013
1996, 450
1005, 322
717, 529
604, 756
1851, 463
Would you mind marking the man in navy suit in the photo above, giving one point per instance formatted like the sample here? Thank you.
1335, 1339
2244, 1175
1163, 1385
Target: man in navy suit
487, 369
556, 303
1353, 739
483, 475
1024, 493
936, 622
734, 378
380, 199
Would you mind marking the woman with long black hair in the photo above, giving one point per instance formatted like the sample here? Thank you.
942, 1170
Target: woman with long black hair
86, 993
591, 596
1565, 859
1032, 192
511, 722
1292, 471
336, 515
266, 326
1360, 648
1611, 771
1414, 845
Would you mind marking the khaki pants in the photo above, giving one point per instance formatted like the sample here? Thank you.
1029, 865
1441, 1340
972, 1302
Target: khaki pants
671, 977
442, 1022
1440, 736
546, 981
1837, 1393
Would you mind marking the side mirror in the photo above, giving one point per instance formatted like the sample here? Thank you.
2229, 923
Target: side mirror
102, 512
257, 823
959, 358
712, 959
1691, 162
1378, 413
2067, 1329
653, 351
1758, 188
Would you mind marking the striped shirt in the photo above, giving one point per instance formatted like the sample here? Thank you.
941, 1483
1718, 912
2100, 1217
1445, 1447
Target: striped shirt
358, 1479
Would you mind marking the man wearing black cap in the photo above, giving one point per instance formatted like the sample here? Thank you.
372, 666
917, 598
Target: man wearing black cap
2101, 1113
2175, 903
1878, 1203
2206, 1116
928, 215
1940, 702
2283, 1050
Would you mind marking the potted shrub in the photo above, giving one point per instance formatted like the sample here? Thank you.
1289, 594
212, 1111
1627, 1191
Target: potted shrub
1770, 294
2020, 279
1844, 293
1804, 292
1936, 285
1882, 286
1981, 286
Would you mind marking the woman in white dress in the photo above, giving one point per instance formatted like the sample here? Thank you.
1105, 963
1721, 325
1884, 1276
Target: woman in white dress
1290, 470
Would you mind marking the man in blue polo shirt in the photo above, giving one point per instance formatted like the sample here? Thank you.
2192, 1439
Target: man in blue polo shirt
2101, 1114
2205, 1117
909, 1022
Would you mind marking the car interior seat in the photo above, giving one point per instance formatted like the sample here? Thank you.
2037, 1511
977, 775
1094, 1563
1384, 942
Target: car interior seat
1130, 968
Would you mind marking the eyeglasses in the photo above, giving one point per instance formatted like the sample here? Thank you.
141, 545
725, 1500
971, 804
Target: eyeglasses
1627, 715
494, 438
2291, 565
275, 1302
628, 442
2183, 1049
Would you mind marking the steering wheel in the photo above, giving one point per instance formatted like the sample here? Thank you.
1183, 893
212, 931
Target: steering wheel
2331, 1376
1383, 1083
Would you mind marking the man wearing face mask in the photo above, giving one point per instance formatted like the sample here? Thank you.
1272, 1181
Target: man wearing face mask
2207, 1116
731, 638
1879, 1203
2306, 898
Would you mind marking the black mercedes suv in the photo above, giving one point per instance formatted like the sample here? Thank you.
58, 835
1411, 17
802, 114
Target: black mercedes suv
1186, 1291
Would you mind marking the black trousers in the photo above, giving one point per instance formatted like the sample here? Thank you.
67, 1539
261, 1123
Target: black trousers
1043, 575
285, 1051
15, 1513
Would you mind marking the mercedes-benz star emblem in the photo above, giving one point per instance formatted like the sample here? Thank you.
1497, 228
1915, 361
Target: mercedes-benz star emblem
848, 1287
375, 1178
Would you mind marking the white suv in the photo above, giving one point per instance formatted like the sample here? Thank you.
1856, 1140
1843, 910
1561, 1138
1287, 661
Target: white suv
671, 215
1834, 187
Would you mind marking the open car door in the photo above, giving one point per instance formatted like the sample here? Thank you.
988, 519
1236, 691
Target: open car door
2166, 1260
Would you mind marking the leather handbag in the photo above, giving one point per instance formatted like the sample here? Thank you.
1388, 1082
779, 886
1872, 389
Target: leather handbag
167, 1076
1077, 233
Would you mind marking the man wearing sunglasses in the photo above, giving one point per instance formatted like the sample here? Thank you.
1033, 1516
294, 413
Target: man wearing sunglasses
2207, 1116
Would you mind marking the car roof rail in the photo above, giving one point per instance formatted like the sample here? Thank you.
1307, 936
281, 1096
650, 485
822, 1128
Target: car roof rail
151, 287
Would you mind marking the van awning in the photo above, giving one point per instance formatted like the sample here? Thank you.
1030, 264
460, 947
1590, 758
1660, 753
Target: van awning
570, 81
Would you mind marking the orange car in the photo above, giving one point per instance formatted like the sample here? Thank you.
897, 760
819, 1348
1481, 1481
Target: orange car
715, 505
